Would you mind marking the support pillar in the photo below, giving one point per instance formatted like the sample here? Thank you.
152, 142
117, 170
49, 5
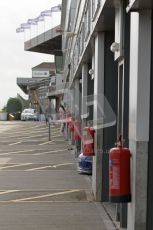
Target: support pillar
139, 109
98, 58
76, 96
77, 112
72, 105
57, 104
84, 91
72, 112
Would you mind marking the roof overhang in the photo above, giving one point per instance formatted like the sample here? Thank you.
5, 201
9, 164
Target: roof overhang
23, 83
49, 42
106, 21
56, 93
28, 83
136, 5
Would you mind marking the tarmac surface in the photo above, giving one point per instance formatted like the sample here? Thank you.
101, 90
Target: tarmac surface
40, 188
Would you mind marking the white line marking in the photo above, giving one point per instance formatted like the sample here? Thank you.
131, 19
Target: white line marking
28, 129
51, 135
23, 134
42, 130
55, 131
45, 143
57, 135
20, 151
8, 191
2, 154
43, 201
53, 151
17, 165
49, 166
59, 140
34, 169
55, 166
15, 143
47, 195
43, 138
29, 137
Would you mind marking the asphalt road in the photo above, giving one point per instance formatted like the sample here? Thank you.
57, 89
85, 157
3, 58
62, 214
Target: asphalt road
40, 188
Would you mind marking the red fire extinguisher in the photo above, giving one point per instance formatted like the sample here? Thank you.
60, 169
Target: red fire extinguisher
88, 141
77, 130
71, 124
119, 174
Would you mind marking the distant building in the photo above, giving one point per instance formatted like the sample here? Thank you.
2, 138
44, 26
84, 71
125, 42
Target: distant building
44, 70
36, 87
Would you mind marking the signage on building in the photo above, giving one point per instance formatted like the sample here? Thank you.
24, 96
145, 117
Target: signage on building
40, 73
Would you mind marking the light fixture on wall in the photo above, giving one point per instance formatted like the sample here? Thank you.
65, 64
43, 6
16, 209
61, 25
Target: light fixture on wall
69, 34
64, 50
91, 72
80, 80
115, 47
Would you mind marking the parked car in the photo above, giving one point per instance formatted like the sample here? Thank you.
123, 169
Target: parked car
29, 115
85, 164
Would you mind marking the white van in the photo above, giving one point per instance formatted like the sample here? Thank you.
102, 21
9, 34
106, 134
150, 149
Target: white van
29, 115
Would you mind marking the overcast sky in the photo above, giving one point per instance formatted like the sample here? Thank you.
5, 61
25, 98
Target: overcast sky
14, 61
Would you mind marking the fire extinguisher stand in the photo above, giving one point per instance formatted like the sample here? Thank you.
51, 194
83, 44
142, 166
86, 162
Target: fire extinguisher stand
77, 136
119, 180
88, 141
119, 174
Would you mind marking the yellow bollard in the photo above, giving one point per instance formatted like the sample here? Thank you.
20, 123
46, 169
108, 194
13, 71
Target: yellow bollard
11, 117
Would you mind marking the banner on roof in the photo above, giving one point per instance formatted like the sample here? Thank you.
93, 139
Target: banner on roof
46, 13
25, 26
39, 19
40, 74
19, 30
32, 21
56, 8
